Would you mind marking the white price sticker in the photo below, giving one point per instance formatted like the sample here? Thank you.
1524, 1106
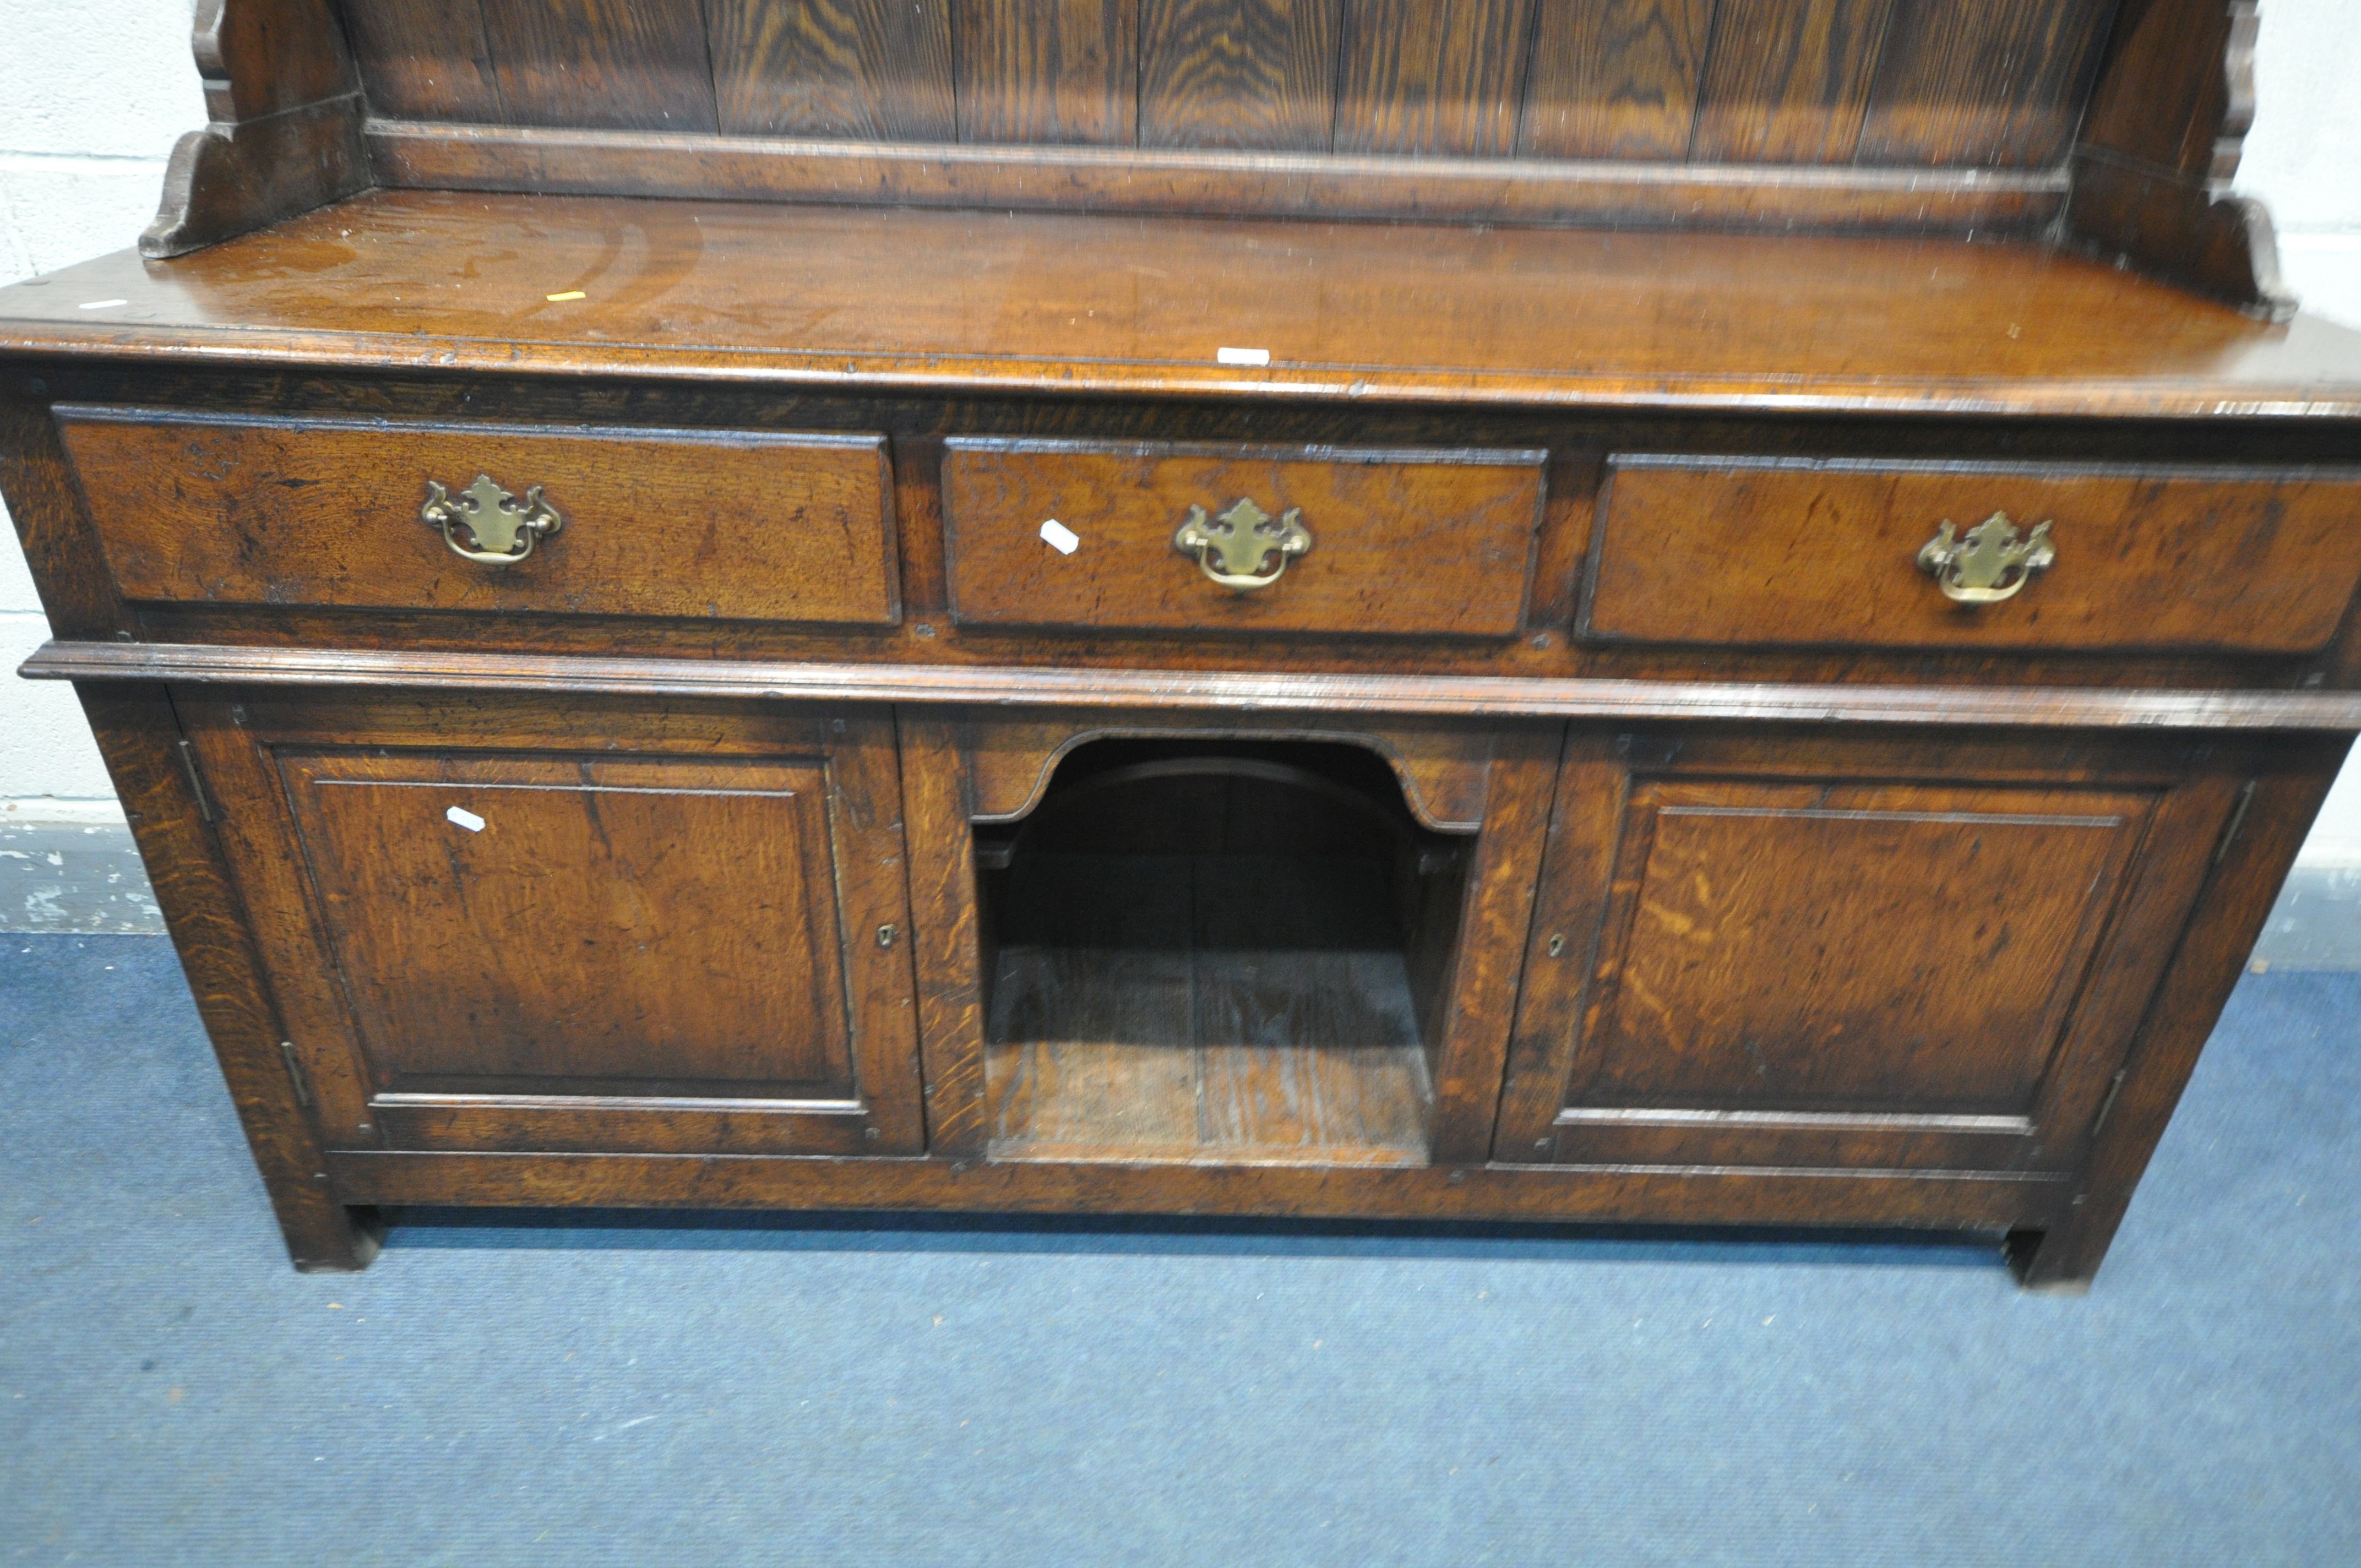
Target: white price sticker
1241, 356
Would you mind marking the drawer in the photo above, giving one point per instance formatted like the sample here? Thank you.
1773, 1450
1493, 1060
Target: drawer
1416, 544
1769, 552
238, 509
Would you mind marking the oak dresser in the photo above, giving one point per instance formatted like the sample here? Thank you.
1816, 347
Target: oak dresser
1686, 611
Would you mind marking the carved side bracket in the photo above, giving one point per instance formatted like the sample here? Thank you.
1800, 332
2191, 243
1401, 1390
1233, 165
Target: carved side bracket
286, 133
2161, 145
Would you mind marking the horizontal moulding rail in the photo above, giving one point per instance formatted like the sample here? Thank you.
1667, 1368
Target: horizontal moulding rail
1493, 697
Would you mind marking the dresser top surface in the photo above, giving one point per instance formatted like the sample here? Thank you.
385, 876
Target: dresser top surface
947, 300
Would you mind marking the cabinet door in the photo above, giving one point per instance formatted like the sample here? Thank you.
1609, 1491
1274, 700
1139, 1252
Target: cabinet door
1851, 953
534, 923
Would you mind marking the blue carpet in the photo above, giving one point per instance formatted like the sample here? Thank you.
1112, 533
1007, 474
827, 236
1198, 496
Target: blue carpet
877, 1391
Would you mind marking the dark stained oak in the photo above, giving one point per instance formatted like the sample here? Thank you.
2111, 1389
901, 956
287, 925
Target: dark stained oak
945, 935
1616, 78
1747, 952
1433, 76
718, 525
1995, 85
1012, 753
1781, 114
914, 299
1149, 691
635, 65
2287, 792
2160, 144
697, 898
424, 60
1046, 70
139, 736
1652, 1195
1369, 516
1763, 552
1114, 179
876, 69
2162, 99
1204, 1008
1239, 74
1604, 820
660, 930
286, 112
1789, 80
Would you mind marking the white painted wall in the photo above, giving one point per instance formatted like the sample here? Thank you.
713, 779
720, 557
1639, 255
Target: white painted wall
94, 91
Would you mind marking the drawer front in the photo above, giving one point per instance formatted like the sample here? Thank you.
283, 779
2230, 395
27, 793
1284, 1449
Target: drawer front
712, 524
1767, 552
1416, 544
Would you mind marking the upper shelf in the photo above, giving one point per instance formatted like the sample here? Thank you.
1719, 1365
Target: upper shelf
2114, 124
831, 295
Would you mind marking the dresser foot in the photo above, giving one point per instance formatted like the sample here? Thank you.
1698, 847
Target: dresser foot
332, 1238
2061, 1262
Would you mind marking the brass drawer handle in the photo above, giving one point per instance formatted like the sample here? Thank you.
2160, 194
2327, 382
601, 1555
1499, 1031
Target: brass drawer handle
1991, 566
503, 529
1231, 548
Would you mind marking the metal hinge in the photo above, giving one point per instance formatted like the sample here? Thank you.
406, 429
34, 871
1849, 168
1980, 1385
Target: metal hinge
2237, 820
2107, 1106
295, 1071
189, 764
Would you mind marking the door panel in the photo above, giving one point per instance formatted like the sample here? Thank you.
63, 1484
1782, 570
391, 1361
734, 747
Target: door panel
1775, 932
1847, 954
615, 927
489, 926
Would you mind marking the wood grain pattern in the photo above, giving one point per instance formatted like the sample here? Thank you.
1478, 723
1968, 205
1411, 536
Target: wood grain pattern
260, 58
1778, 551
1616, 79
2163, 96
78, 596
2210, 958
255, 509
424, 60
137, 734
908, 300
1433, 77
946, 945
1478, 1002
1997, 85
1941, 975
1849, 946
1046, 70
1147, 692
1789, 80
1013, 752
629, 64
695, 902
2160, 144
1113, 180
234, 178
733, 869
1239, 74
874, 69
1376, 518
1214, 1006
1656, 1196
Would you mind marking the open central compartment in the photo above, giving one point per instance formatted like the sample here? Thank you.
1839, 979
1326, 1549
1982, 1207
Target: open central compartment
1229, 952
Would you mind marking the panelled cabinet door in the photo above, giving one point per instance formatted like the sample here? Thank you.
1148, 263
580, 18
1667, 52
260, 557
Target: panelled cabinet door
1851, 953
529, 922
